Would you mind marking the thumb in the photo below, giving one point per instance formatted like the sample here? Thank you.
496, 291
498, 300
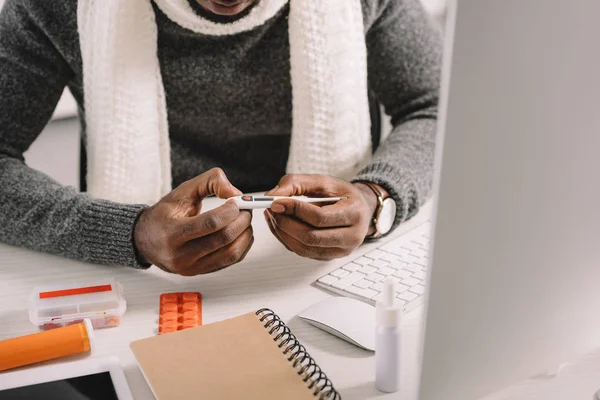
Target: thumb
213, 182
277, 191
304, 185
216, 183
287, 186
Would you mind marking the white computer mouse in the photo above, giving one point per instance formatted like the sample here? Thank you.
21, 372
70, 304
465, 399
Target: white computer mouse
349, 319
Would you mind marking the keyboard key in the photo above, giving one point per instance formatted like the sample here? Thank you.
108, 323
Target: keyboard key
348, 280
411, 245
366, 293
421, 240
379, 263
419, 289
351, 267
409, 259
363, 284
398, 264
410, 281
420, 275
402, 273
375, 254
362, 260
327, 279
375, 277
399, 302
379, 297
386, 271
389, 257
401, 288
367, 270
400, 251
423, 262
393, 244
394, 279
377, 286
340, 273
418, 253
407, 296
413, 267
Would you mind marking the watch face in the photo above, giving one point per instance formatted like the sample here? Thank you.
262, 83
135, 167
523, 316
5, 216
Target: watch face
386, 216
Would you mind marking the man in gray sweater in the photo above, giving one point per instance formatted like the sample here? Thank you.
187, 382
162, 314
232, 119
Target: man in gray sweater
214, 150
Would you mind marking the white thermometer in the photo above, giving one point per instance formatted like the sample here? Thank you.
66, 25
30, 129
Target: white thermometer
255, 202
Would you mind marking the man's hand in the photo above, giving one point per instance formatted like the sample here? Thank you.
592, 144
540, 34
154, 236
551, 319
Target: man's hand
175, 237
326, 232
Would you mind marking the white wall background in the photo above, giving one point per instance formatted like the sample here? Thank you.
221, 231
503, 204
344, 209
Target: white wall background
56, 150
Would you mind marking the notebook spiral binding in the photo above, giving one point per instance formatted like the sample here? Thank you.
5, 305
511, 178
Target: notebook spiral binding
321, 386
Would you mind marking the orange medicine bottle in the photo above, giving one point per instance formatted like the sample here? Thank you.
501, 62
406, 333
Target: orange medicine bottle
47, 345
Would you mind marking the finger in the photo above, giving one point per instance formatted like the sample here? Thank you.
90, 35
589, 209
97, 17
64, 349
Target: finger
316, 253
187, 229
309, 236
200, 247
270, 223
341, 214
242, 258
310, 185
222, 258
212, 182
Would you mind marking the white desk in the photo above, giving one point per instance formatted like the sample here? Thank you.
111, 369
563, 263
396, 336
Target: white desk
269, 277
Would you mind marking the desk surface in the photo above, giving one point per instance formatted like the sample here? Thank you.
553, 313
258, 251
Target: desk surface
269, 277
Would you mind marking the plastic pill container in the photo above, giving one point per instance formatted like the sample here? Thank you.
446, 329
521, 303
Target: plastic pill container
60, 304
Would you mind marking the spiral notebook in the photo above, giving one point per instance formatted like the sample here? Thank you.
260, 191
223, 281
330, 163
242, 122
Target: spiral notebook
252, 357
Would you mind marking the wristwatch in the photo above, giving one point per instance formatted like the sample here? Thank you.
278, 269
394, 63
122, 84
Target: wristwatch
385, 214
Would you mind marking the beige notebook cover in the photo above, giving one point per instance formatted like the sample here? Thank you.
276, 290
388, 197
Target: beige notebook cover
232, 359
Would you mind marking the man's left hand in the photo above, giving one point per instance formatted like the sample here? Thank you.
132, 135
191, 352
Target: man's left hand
321, 232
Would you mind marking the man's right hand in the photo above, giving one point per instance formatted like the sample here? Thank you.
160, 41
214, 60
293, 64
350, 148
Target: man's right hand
175, 237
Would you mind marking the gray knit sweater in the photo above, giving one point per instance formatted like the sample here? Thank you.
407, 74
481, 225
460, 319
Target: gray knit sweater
229, 105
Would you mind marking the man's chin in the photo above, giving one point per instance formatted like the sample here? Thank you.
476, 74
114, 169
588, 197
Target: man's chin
224, 10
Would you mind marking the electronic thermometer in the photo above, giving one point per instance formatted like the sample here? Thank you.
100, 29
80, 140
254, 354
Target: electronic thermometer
255, 202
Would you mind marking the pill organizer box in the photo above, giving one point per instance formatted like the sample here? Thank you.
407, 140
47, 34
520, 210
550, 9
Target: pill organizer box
179, 311
60, 304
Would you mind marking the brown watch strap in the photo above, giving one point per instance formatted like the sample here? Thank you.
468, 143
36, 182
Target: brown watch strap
379, 191
381, 194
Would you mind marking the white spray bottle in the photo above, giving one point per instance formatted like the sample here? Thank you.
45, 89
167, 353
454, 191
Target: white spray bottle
387, 341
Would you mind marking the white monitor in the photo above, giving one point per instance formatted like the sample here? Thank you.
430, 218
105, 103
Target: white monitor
514, 285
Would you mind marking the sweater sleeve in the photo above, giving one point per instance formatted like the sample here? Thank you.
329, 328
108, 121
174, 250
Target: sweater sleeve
404, 58
35, 211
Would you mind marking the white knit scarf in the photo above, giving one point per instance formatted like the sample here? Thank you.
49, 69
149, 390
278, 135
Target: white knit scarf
128, 148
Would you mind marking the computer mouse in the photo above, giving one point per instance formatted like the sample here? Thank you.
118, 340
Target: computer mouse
349, 319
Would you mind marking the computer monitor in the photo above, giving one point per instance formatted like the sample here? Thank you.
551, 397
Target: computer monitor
514, 284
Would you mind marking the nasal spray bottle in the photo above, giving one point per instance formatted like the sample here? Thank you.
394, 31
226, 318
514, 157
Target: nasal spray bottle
387, 341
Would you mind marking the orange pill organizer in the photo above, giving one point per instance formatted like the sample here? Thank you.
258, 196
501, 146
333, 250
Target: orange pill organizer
179, 311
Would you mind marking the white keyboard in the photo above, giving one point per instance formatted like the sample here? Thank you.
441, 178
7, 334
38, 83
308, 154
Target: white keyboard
404, 259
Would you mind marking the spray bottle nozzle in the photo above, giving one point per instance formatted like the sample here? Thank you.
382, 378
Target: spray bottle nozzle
389, 293
388, 308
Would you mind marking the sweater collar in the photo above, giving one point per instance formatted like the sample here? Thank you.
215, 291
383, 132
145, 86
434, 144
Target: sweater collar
182, 13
